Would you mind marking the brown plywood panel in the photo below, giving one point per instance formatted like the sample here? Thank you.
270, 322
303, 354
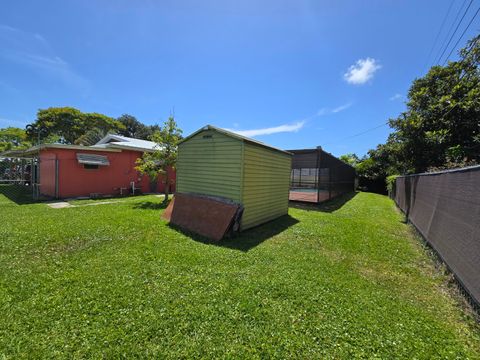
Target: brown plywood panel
167, 214
205, 216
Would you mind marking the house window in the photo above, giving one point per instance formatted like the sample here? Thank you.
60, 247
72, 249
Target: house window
90, 166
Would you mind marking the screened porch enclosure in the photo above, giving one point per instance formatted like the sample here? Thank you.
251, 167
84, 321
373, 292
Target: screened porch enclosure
317, 176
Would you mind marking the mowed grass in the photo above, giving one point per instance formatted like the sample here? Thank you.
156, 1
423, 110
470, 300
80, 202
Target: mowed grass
348, 281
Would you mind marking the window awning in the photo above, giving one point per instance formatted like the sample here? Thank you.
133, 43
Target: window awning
92, 159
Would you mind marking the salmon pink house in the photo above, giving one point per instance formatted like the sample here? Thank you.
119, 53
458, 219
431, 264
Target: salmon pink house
104, 169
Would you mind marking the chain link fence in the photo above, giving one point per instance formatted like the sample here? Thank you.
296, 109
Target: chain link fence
18, 179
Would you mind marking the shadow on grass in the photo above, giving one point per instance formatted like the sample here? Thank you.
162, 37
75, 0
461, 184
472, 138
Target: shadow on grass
151, 205
326, 206
248, 239
19, 194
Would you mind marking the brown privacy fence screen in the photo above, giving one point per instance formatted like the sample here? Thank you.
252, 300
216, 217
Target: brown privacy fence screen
318, 176
445, 209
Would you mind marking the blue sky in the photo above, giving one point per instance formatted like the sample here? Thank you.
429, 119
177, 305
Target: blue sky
294, 74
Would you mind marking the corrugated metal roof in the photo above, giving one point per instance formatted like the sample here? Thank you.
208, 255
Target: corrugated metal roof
92, 159
118, 141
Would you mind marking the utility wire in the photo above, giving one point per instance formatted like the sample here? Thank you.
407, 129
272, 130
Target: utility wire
358, 134
445, 114
454, 32
461, 36
463, 75
459, 11
438, 34
387, 123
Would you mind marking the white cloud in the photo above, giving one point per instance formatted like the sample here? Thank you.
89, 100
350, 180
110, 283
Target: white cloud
295, 127
326, 110
396, 97
34, 51
341, 108
322, 111
362, 71
271, 130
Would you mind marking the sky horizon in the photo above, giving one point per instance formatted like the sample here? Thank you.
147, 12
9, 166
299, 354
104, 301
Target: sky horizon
292, 74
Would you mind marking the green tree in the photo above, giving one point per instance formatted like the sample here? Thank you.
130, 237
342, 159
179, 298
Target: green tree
69, 124
165, 154
440, 127
102, 122
91, 137
135, 129
351, 159
13, 138
441, 124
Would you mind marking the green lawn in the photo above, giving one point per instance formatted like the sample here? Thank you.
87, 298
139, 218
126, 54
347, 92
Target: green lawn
114, 280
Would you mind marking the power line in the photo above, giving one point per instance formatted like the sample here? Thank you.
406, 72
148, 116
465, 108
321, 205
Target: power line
450, 30
461, 36
447, 112
439, 32
472, 46
359, 134
454, 32
387, 123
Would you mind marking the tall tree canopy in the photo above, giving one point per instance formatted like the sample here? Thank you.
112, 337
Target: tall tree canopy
441, 125
135, 129
350, 159
69, 124
13, 138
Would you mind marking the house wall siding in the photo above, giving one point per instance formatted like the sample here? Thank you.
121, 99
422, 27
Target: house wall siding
210, 163
266, 182
47, 173
74, 180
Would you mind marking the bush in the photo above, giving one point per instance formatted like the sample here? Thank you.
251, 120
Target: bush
390, 183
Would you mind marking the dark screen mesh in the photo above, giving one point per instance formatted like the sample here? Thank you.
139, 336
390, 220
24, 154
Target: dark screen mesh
319, 176
445, 208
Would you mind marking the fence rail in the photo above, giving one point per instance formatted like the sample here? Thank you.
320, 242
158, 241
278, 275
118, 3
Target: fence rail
445, 209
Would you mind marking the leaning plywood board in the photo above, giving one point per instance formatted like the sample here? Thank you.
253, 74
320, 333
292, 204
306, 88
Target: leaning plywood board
206, 216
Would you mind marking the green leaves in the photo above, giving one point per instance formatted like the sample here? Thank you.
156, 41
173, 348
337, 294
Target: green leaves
441, 126
164, 157
135, 129
13, 138
68, 124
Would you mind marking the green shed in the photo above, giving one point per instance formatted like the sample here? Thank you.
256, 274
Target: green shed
216, 162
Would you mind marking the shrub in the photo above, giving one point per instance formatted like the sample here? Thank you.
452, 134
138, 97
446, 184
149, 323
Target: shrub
390, 183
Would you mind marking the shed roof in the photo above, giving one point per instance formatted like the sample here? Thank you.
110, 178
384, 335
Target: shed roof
236, 136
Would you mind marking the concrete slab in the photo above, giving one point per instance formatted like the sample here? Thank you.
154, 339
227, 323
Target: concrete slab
64, 204
102, 203
59, 205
